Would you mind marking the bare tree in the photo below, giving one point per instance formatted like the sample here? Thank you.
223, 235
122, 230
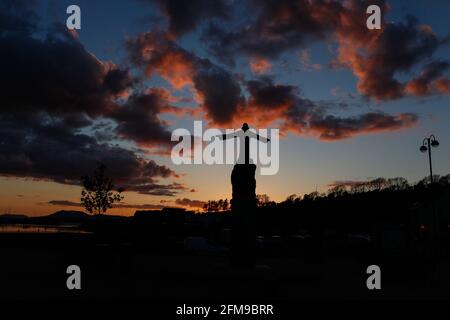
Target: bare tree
97, 195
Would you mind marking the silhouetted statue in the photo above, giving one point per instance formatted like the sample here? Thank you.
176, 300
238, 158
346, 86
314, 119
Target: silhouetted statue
243, 203
244, 136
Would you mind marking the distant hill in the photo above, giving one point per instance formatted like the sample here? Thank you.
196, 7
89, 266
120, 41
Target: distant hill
79, 216
11, 218
69, 214
63, 216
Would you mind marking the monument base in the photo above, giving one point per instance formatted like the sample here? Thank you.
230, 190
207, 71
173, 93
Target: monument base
243, 207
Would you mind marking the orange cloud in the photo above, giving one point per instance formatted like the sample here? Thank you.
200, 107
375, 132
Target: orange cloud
217, 90
430, 80
260, 66
443, 85
376, 56
176, 69
281, 106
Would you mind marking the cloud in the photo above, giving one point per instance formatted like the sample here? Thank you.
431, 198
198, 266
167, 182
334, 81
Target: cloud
221, 98
138, 119
74, 82
65, 203
77, 87
185, 202
156, 53
17, 16
220, 105
347, 183
55, 98
46, 148
156, 189
376, 60
260, 66
282, 105
265, 94
443, 85
336, 128
147, 206
430, 79
185, 16
217, 89
219, 94
376, 57
280, 25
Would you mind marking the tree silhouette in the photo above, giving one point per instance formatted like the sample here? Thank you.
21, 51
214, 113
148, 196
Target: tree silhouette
97, 195
216, 206
225, 205
262, 200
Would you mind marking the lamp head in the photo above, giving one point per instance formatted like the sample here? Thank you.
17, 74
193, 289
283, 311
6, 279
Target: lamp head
435, 143
423, 149
245, 127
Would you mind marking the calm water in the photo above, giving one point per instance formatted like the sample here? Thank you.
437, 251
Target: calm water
33, 228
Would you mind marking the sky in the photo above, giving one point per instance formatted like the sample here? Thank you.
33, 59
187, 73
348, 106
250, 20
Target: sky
351, 104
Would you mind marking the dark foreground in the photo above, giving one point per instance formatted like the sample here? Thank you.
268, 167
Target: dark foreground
165, 269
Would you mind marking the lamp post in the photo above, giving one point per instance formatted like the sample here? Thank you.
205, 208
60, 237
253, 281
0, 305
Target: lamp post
427, 143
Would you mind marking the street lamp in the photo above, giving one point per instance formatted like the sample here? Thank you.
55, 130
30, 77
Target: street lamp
427, 143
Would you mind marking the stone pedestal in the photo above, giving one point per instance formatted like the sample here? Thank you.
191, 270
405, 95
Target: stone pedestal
243, 207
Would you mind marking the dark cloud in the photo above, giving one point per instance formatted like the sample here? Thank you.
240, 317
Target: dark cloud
220, 104
55, 94
284, 104
428, 80
64, 203
347, 183
17, 16
45, 148
218, 89
443, 85
63, 80
146, 206
279, 25
138, 119
268, 95
190, 203
399, 48
375, 57
337, 128
156, 189
223, 102
58, 76
184, 16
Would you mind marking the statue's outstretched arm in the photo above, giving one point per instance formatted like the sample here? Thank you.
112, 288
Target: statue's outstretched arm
228, 135
263, 139
258, 137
